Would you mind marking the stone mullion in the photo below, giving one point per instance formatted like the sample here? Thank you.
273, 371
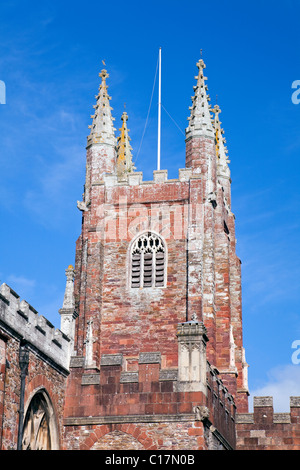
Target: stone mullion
153, 269
142, 269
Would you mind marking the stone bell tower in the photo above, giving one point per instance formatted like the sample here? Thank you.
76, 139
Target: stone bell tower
219, 273
158, 359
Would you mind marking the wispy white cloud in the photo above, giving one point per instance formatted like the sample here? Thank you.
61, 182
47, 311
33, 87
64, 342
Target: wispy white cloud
47, 199
21, 281
282, 382
22, 285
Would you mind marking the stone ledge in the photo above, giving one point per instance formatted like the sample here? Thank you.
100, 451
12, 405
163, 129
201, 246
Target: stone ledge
95, 420
129, 377
165, 374
294, 402
282, 418
244, 418
90, 379
149, 358
262, 401
77, 361
111, 360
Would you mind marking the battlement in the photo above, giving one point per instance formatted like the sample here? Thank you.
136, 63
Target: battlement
221, 404
159, 176
263, 412
26, 324
265, 430
147, 392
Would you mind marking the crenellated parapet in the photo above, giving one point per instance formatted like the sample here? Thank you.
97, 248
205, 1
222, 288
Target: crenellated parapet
22, 321
135, 178
143, 390
263, 429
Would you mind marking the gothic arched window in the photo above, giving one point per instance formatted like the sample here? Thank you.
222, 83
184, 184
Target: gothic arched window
148, 261
40, 430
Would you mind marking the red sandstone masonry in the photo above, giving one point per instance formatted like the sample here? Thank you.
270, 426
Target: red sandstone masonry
41, 376
115, 261
150, 396
265, 430
161, 399
141, 436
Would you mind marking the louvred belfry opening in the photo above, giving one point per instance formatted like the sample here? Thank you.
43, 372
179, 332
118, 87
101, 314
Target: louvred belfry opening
148, 261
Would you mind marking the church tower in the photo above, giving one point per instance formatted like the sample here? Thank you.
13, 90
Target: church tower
157, 359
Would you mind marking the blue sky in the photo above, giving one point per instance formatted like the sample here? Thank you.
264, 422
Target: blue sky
50, 57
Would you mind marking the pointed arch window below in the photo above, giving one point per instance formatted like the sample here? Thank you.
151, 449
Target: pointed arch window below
40, 429
148, 261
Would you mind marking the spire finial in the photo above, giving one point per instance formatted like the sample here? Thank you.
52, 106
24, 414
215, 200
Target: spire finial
69, 291
124, 155
200, 119
102, 130
104, 75
67, 312
221, 150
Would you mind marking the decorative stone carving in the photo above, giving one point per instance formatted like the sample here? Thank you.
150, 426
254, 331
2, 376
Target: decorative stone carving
81, 205
102, 129
212, 198
192, 362
201, 412
194, 317
200, 119
69, 291
89, 341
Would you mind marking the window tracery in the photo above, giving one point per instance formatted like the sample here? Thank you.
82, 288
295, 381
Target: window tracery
148, 261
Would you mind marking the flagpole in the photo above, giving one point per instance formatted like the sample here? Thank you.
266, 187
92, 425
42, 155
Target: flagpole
159, 112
